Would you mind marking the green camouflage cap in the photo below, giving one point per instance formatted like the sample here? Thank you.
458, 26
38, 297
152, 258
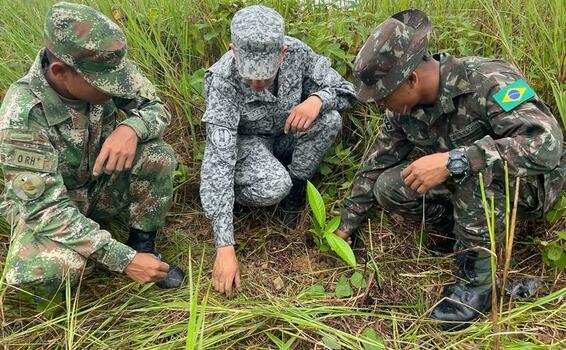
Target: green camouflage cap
392, 52
94, 46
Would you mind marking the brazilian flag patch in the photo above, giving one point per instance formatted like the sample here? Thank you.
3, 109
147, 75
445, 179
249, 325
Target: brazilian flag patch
513, 95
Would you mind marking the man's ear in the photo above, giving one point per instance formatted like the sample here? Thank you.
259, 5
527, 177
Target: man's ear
59, 69
282, 54
413, 79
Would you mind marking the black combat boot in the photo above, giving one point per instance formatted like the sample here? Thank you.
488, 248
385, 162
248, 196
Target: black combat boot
441, 219
144, 242
467, 300
293, 203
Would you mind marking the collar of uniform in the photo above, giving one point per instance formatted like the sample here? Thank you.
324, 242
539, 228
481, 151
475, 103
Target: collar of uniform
453, 83
55, 110
259, 96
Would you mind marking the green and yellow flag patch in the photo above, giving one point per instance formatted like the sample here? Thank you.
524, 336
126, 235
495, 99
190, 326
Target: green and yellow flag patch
513, 95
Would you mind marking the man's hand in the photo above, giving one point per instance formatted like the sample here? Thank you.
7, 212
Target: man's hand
226, 271
145, 268
117, 152
303, 115
344, 236
426, 172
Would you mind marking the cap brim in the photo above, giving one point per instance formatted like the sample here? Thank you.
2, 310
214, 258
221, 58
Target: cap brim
125, 81
257, 66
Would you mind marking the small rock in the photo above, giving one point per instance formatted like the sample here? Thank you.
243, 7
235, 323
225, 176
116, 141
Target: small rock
278, 283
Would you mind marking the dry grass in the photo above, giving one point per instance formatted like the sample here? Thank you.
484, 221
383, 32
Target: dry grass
404, 282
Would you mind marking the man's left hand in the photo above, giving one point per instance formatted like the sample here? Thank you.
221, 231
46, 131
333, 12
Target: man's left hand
117, 152
426, 172
303, 115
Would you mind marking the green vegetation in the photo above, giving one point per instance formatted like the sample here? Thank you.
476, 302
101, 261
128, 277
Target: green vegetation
173, 41
323, 231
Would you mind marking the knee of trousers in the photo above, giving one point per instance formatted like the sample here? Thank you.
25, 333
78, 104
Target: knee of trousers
154, 158
393, 195
266, 193
330, 122
43, 266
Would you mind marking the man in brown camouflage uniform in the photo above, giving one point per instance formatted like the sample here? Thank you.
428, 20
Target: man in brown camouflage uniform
469, 116
68, 162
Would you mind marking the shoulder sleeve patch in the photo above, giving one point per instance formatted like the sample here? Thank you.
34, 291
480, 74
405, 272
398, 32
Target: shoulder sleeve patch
513, 95
221, 137
28, 186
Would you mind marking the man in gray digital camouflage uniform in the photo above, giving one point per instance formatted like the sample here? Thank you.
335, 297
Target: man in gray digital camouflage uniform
469, 115
68, 162
271, 114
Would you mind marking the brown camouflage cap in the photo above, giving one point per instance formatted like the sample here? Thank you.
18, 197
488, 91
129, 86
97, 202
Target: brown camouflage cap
390, 54
94, 46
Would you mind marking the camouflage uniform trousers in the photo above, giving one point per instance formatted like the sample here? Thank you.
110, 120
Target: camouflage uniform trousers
470, 224
470, 227
265, 165
145, 193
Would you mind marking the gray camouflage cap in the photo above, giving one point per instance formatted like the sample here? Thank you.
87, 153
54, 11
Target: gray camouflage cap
258, 34
94, 46
390, 54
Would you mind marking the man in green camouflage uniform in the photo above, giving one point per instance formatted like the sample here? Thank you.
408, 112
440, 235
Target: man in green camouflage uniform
469, 116
68, 162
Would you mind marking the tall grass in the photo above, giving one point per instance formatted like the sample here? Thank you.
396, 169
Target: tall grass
173, 41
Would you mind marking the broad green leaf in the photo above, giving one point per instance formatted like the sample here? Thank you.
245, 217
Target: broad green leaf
558, 211
554, 252
561, 263
325, 169
317, 204
343, 289
340, 247
331, 342
332, 225
358, 280
314, 291
561, 234
370, 333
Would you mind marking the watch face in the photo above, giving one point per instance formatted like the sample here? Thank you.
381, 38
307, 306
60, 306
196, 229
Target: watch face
458, 167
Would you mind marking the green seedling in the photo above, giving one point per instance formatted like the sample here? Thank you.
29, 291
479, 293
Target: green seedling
323, 231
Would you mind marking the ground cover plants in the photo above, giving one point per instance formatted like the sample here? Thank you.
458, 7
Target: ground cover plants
294, 296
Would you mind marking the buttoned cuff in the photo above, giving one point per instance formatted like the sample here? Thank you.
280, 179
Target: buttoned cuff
223, 228
116, 256
349, 221
475, 157
138, 125
325, 97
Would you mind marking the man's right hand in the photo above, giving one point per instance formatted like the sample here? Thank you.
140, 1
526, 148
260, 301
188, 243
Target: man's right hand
226, 272
344, 236
145, 267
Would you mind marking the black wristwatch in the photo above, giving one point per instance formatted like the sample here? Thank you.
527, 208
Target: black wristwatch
458, 164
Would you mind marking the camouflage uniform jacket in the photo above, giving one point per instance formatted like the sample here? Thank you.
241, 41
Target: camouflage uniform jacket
233, 108
42, 136
465, 116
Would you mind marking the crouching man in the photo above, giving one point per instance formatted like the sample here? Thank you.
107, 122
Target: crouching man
68, 162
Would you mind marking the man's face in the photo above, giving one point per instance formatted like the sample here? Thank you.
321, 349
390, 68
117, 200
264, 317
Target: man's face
402, 99
82, 90
258, 85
